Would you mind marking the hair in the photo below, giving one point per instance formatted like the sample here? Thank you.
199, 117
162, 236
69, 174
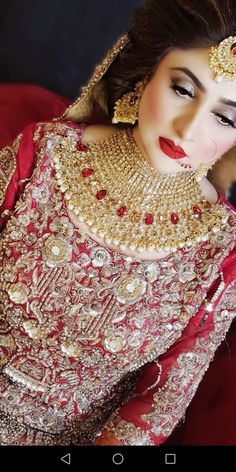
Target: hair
157, 28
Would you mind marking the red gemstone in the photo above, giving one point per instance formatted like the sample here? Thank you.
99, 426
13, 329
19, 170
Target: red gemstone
234, 51
87, 172
174, 218
82, 147
122, 211
149, 219
197, 211
101, 194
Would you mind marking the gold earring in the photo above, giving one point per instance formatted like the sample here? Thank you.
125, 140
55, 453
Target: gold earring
126, 108
203, 170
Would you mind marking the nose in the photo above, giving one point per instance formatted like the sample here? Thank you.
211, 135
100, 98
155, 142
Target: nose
188, 125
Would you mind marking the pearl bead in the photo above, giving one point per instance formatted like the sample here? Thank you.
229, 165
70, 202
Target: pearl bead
209, 307
123, 246
224, 312
151, 248
132, 247
140, 249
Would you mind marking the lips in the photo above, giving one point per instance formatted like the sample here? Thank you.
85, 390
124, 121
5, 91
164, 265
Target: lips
169, 148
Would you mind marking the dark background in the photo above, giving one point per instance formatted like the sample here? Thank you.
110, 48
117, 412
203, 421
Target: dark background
57, 43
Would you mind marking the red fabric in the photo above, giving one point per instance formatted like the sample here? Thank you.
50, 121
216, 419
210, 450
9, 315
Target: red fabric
208, 416
22, 104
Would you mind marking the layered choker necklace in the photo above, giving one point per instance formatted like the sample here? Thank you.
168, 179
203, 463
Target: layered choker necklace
111, 187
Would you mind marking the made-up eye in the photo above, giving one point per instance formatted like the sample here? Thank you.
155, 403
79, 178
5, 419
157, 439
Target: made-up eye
181, 91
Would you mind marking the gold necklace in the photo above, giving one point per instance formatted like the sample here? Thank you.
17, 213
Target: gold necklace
112, 188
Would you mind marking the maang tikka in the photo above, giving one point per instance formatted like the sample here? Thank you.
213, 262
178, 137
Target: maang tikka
223, 59
126, 108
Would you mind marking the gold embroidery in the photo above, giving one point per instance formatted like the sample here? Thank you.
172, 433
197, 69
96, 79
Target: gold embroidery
56, 251
81, 315
7, 165
18, 293
79, 109
171, 401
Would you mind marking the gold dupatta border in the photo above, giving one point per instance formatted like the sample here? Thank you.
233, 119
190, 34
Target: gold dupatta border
80, 110
8, 165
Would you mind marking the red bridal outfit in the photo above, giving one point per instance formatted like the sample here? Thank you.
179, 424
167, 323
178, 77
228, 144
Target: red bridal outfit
92, 340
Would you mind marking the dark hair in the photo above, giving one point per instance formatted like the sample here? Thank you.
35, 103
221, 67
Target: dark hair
158, 27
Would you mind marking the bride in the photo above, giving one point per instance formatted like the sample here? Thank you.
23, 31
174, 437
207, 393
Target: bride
117, 253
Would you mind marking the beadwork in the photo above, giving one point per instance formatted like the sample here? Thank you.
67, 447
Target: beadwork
135, 207
223, 59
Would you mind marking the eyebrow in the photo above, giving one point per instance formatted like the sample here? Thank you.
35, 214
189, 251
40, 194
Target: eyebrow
192, 76
199, 84
225, 101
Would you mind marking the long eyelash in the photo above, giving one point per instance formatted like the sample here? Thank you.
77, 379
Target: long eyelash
176, 87
231, 123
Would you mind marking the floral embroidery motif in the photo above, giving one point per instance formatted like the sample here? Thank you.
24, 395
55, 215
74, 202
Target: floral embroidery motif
80, 316
130, 289
171, 400
56, 251
18, 293
100, 257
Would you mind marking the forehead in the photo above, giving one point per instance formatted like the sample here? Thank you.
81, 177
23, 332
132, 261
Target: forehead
188, 56
197, 61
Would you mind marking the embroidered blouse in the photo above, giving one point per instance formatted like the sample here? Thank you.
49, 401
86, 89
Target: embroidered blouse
91, 339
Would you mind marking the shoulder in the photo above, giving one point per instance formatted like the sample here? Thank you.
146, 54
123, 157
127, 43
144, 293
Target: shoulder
208, 190
94, 133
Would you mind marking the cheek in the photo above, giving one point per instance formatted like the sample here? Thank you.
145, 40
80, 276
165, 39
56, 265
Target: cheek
213, 148
155, 106
224, 145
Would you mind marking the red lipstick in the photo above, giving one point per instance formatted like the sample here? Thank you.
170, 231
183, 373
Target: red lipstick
170, 149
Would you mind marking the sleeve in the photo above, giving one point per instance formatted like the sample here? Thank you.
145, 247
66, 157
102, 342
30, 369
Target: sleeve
16, 167
167, 386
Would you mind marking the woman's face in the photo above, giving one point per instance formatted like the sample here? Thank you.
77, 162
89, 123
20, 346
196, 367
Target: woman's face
185, 106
